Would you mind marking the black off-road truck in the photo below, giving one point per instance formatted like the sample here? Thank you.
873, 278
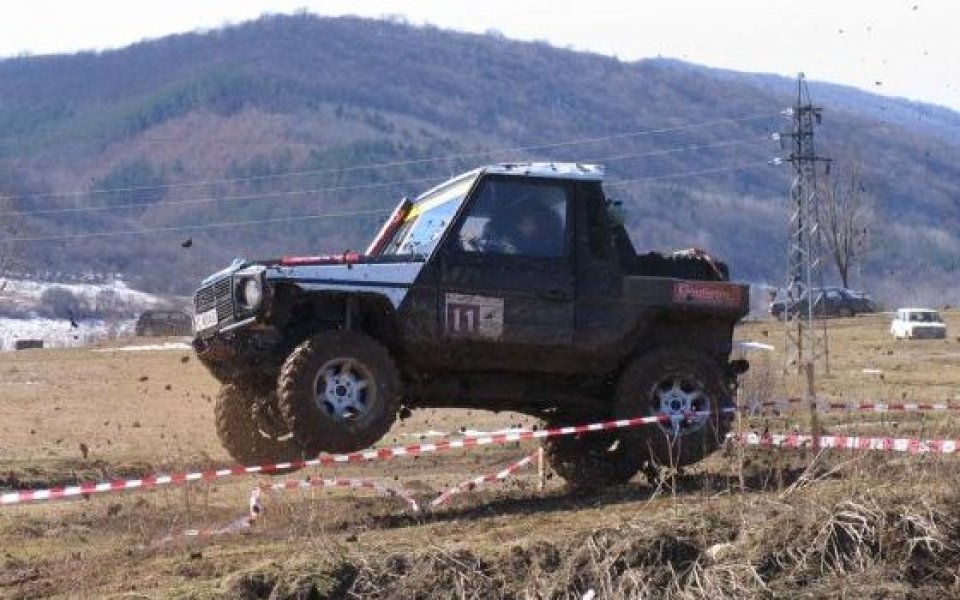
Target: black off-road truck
511, 287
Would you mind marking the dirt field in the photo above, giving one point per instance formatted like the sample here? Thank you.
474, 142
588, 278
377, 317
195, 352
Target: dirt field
742, 524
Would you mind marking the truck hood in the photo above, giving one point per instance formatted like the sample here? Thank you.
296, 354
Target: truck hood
391, 279
236, 265
349, 272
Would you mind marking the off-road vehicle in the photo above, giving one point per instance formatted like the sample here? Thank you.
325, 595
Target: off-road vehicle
163, 322
513, 287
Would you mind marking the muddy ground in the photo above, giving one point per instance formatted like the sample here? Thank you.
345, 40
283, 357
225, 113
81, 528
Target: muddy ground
742, 524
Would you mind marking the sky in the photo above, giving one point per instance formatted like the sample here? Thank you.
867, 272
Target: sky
892, 47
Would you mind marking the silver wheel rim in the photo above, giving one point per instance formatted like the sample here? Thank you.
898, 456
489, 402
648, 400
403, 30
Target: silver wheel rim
683, 403
343, 389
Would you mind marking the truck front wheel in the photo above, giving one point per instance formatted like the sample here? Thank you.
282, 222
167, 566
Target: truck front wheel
241, 435
685, 388
338, 392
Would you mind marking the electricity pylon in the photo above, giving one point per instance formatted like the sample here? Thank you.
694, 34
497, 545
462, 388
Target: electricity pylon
806, 337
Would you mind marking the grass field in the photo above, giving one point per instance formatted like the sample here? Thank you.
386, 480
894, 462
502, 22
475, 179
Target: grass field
742, 524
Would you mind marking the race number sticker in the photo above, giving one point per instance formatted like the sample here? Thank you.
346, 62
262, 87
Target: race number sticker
474, 316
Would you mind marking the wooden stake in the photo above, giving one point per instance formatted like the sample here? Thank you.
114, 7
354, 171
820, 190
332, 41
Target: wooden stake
812, 404
740, 445
541, 480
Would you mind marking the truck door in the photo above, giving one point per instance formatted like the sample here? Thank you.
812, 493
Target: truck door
506, 281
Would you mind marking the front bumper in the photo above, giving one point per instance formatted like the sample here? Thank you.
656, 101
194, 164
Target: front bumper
928, 333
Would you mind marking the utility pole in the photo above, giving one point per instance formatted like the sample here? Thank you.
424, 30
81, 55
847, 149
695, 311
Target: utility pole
806, 340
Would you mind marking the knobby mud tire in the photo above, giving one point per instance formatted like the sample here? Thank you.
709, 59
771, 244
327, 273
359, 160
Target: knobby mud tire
313, 428
635, 398
240, 434
590, 462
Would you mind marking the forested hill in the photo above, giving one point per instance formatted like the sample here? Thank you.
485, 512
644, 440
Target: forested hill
286, 135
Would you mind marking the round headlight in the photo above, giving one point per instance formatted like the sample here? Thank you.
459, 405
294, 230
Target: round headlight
251, 293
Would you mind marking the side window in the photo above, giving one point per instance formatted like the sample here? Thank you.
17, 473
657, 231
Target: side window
516, 217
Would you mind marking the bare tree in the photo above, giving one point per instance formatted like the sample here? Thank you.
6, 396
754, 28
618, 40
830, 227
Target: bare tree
847, 218
10, 224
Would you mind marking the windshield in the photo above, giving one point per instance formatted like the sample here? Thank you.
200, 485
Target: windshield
428, 219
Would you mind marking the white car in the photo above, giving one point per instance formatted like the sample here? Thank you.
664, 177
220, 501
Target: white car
914, 323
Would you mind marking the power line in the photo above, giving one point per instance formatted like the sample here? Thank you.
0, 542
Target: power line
181, 228
264, 196
270, 195
80, 236
684, 174
728, 143
545, 146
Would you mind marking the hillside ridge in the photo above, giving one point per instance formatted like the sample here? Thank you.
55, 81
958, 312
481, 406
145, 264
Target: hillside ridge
284, 117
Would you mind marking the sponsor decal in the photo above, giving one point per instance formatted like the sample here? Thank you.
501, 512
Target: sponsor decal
707, 292
478, 317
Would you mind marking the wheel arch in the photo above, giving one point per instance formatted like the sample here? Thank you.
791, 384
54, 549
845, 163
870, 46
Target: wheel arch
300, 313
711, 334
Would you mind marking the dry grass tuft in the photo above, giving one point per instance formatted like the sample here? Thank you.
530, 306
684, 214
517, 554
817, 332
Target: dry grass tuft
848, 539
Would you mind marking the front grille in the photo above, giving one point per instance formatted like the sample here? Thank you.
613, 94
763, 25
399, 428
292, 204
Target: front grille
217, 295
928, 333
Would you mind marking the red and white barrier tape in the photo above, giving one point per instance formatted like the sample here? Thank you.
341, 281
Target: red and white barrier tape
257, 507
86, 489
471, 484
232, 527
237, 526
840, 442
153, 481
370, 484
875, 407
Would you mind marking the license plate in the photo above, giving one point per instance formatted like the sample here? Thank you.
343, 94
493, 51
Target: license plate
205, 320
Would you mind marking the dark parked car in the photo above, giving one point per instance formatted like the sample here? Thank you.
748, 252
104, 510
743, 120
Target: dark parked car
164, 322
830, 302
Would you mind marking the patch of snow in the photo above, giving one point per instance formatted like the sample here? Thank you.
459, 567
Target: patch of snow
754, 346
106, 311
58, 333
466, 432
480, 433
431, 433
26, 294
148, 347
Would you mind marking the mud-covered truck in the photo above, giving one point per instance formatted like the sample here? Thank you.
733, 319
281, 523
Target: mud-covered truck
513, 287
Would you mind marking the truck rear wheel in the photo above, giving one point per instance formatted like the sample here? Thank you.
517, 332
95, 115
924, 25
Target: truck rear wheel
591, 461
675, 383
339, 392
242, 437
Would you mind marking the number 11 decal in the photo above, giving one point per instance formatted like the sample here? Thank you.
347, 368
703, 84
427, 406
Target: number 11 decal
473, 316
